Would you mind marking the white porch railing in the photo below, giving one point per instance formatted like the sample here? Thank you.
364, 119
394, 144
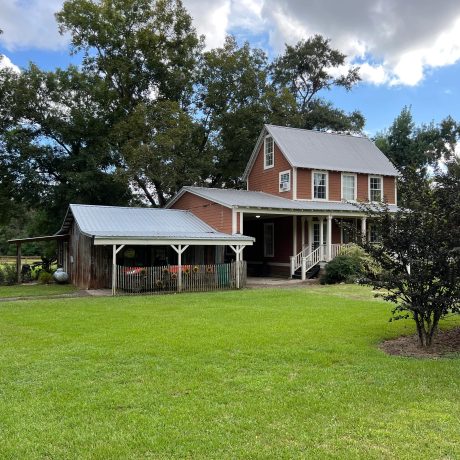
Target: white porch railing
296, 261
186, 278
307, 259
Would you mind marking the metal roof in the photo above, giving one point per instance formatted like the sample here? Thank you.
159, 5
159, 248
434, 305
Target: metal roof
151, 223
233, 198
319, 150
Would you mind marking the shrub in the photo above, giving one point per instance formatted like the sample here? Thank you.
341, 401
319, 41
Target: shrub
369, 267
9, 275
45, 277
345, 268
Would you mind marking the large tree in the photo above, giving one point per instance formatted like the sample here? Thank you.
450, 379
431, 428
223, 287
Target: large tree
307, 70
149, 111
419, 249
231, 106
145, 54
408, 145
57, 144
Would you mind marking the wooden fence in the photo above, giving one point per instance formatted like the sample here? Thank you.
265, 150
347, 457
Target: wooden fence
187, 278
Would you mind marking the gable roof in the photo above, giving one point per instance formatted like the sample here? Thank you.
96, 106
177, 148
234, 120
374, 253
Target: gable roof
143, 223
304, 148
232, 198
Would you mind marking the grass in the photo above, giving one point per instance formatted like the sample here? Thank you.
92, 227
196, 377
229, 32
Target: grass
32, 290
253, 374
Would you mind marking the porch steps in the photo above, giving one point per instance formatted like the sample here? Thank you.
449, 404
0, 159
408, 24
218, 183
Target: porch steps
313, 272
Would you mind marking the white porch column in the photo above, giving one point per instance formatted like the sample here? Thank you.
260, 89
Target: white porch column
302, 222
238, 250
310, 233
115, 251
329, 237
241, 223
321, 237
234, 221
179, 249
304, 269
294, 235
363, 228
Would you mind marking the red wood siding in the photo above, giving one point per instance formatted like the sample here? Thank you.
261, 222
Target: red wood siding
215, 215
267, 180
363, 187
303, 184
389, 189
335, 184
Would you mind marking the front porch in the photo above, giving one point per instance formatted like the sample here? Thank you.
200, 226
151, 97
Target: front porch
289, 245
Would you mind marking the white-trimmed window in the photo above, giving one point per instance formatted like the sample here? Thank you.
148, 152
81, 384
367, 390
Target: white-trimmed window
349, 187
320, 185
269, 152
285, 181
372, 234
375, 188
269, 240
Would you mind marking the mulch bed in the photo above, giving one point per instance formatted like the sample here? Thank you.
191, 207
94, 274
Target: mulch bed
445, 343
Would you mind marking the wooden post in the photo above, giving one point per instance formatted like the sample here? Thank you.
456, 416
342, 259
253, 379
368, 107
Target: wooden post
179, 249
321, 237
114, 269
304, 268
363, 228
294, 235
238, 250
179, 263
115, 251
18, 262
302, 221
329, 237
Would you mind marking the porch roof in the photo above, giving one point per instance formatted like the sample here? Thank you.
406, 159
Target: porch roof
113, 224
233, 198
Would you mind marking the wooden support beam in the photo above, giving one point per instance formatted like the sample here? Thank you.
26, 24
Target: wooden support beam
18, 262
179, 249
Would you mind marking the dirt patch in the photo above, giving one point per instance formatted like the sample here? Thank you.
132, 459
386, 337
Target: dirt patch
445, 343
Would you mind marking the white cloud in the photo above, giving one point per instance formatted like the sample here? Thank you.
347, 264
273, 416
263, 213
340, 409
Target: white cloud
396, 42
211, 18
5, 63
30, 24
405, 38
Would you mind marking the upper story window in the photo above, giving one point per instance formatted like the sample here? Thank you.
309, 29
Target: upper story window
375, 188
269, 155
349, 187
285, 181
319, 185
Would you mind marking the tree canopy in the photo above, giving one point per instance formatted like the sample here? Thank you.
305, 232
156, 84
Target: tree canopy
150, 110
419, 249
408, 145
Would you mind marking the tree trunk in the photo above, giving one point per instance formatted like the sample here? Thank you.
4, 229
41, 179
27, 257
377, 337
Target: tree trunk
426, 329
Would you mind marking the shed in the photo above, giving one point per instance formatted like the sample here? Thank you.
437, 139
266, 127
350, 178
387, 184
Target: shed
93, 240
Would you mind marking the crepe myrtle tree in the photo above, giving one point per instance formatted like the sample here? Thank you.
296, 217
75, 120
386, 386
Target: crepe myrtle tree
418, 249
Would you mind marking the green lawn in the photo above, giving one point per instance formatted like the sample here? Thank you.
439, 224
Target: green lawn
32, 290
252, 374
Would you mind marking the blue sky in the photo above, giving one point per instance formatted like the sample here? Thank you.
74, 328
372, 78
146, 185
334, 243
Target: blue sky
409, 51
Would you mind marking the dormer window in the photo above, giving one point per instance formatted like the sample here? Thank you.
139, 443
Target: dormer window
269, 156
319, 185
285, 181
375, 188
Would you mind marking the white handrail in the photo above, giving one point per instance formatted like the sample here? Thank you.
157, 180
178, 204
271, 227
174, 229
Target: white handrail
317, 255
